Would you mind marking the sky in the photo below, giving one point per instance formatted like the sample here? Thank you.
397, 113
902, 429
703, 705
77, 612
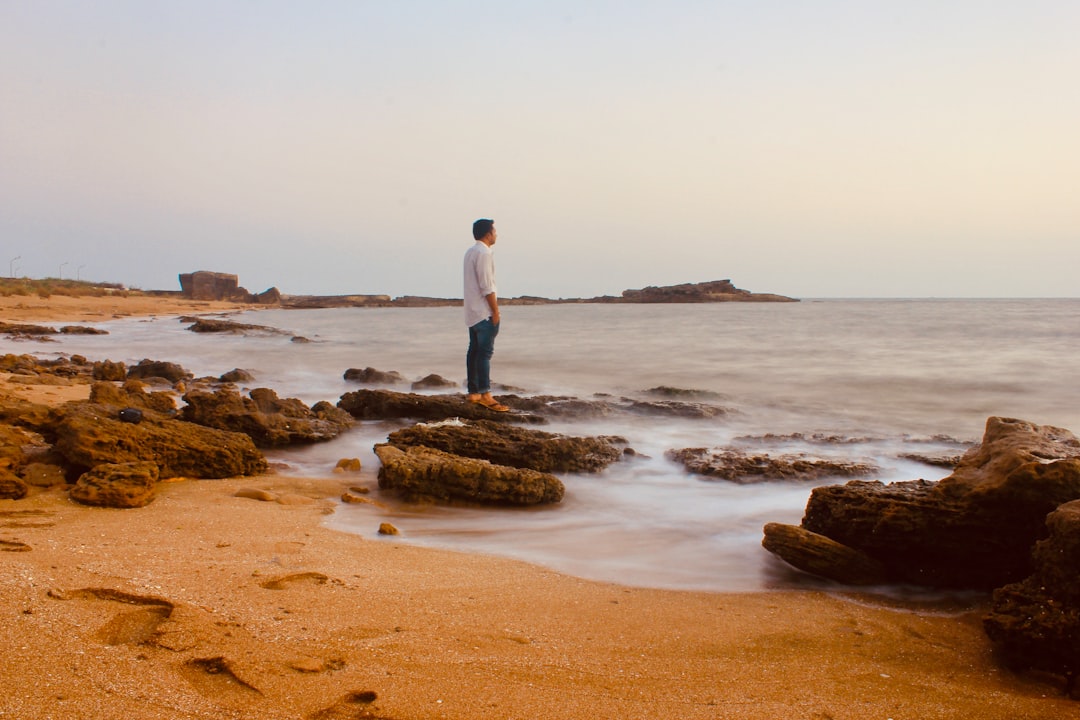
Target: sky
839, 148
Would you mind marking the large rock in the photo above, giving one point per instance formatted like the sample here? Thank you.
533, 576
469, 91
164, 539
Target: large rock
88, 435
268, 420
371, 376
514, 446
133, 393
389, 405
126, 485
421, 473
973, 529
1035, 624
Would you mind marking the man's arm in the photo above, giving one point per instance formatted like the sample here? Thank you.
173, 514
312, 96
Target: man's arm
493, 303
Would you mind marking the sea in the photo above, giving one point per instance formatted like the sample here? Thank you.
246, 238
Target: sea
889, 382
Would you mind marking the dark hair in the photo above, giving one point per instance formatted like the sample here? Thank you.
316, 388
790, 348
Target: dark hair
481, 228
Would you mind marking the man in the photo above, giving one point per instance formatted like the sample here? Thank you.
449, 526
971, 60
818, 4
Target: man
481, 314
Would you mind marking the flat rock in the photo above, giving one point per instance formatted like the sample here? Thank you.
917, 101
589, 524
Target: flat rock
737, 466
420, 472
513, 446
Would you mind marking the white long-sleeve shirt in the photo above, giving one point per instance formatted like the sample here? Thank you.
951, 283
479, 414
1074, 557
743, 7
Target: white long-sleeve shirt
479, 282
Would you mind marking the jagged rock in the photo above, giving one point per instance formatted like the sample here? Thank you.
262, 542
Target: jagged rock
149, 369
133, 393
82, 330
109, 370
433, 382
973, 529
737, 466
88, 435
11, 486
371, 376
12, 440
267, 419
123, 485
390, 405
421, 472
558, 406
26, 329
1035, 624
514, 446
818, 555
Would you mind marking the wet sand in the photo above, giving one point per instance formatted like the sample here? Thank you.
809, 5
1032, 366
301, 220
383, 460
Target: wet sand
205, 604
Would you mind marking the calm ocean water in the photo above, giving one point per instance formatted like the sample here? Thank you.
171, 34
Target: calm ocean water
890, 376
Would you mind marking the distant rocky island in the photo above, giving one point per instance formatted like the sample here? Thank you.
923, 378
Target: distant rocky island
205, 285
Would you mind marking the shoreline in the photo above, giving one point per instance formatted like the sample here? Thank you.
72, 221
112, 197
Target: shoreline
203, 604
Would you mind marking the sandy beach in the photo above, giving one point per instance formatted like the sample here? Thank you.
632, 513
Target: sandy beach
230, 599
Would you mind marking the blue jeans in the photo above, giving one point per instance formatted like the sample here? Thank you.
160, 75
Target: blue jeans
478, 359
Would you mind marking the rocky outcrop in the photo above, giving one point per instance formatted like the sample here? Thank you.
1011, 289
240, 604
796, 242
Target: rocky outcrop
12, 487
1035, 624
973, 529
88, 435
126, 485
740, 467
704, 292
268, 420
214, 325
206, 285
388, 405
133, 393
513, 446
420, 473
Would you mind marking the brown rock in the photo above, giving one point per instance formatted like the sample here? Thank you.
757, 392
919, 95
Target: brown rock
740, 467
818, 555
152, 369
125, 485
43, 475
133, 393
109, 370
388, 529
268, 420
88, 435
351, 465
371, 376
11, 486
433, 382
421, 472
513, 446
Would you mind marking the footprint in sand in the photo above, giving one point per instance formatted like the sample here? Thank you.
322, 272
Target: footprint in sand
214, 678
353, 706
284, 581
131, 627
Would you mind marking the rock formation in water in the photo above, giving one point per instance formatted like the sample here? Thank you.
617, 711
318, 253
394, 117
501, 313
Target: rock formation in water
973, 529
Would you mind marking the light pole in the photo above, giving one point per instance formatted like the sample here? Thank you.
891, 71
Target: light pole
62, 270
11, 265
78, 273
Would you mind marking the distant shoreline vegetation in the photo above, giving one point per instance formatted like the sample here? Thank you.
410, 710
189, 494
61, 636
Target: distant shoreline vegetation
47, 287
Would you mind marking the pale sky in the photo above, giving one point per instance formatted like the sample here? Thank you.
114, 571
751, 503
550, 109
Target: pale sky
839, 148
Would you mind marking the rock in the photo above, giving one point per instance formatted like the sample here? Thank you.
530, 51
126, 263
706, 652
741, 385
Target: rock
818, 555
205, 285
513, 446
150, 369
88, 435
109, 370
122, 485
82, 330
12, 486
371, 376
390, 405
236, 375
434, 382
268, 420
351, 465
1035, 624
737, 466
974, 529
133, 394
211, 325
421, 472
387, 529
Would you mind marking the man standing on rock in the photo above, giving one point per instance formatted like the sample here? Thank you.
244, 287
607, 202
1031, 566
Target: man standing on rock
481, 314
